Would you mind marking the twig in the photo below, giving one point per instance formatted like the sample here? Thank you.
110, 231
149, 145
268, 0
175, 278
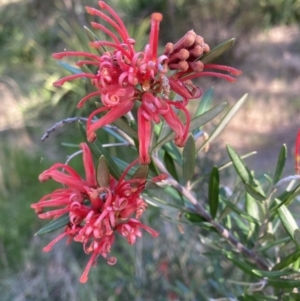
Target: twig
61, 123
287, 179
129, 141
198, 208
73, 155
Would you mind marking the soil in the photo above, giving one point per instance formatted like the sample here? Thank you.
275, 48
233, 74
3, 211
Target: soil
270, 116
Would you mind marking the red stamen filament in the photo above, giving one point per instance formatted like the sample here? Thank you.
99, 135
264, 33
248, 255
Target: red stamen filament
60, 55
61, 81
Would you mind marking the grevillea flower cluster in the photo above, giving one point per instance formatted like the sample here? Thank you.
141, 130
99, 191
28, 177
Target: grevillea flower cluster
95, 213
126, 77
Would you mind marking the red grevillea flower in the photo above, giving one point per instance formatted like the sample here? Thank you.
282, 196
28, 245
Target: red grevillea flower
96, 213
297, 154
125, 76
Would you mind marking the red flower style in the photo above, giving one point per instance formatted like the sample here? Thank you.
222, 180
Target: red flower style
125, 76
297, 154
96, 213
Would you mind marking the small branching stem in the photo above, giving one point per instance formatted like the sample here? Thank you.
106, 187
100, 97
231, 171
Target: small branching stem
61, 123
127, 140
199, 209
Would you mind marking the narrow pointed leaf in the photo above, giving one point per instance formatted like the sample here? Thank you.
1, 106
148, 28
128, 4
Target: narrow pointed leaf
297, 236
213, 191
126, 128
272, 244
103, 176
195, 123
241, 213
288, 197
113, 168
284, 283
280, 164
287, 261
173, 152
288, 222
169, 162
141, 173
205, 102
69, 67
93, 38
55, 224
229, 115
222, 167
252, 207
240, 166
194, 217
216, 52
253, 191
189, 159
247, 268
99, 150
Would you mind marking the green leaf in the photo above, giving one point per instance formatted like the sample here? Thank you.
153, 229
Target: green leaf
284, 283
253, 210
288, 197
173, 152
240, 212
253, 191
216, 52
247, 268
297, 236
272, 244
194, 217
173, 194
55, 224
288, 222
225, 165
213, 192
169, 162
205, 102
233, 110
141, 172
252, 207
240, 166
251, 270
287, 261
158, 202
69, 67
189, 159
93, 38
195, 123
126, 128
252, 188
103, 176
280, 164
113, 168
271, 274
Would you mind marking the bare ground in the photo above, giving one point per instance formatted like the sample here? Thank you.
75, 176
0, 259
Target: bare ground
270, 62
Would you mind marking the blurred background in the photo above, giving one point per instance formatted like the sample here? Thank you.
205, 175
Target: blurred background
267, 50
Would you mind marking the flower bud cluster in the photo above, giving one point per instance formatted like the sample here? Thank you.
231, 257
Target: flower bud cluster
182, 55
